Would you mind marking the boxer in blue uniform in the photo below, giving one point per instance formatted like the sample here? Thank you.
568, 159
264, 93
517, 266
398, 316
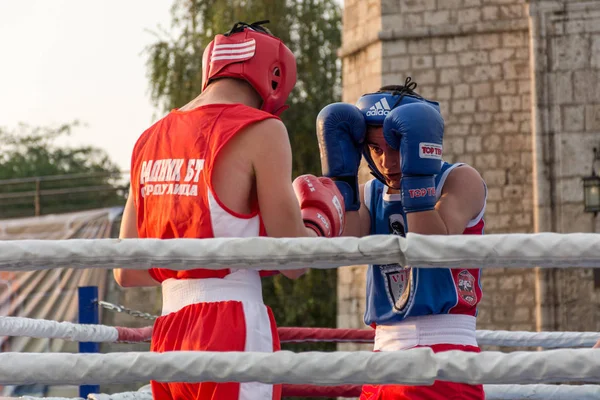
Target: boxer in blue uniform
400, 135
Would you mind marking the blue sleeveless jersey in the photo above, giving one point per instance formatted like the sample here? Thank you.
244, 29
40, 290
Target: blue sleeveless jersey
394, 292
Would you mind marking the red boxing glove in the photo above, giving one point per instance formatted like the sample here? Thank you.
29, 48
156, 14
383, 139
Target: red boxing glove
321, 204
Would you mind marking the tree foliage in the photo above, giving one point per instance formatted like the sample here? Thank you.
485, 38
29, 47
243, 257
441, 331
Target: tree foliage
33, 152
312, 30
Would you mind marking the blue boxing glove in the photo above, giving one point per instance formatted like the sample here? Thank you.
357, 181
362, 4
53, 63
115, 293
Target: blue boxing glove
417, 130
341, 131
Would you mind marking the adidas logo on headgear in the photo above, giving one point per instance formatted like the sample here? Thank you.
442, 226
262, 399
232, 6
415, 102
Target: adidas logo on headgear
380, 108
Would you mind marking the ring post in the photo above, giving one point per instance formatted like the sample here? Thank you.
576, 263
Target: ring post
88, 314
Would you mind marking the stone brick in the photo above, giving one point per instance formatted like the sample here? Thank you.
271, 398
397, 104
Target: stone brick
505, 87
461, 91
419, 46
494, 177
510, 103
522, 314
412, 20
483, 117
456, 130
473, 58
522, 53
345, 276
595, 51
482, 73
419, 62
512, 191
463, 106
440, 17
459, 43
515, 11
444, 93
586, 84
425, 76
525, 86
492, 143
526, 160
450, 4
396, 64
515, 39
570, 190
574, 27
469, 15
501, 55
446, 60
574, 118
490, 12
503, 117
414, 6
473, 144
481, 89
394, 48
438, 45
486, 41
486, 161
510, 160
592, 118
526, 103
454, 145
516, 69
466, 119
449, 75
466, 158
516, 143
488, 104
570, 53
491, 207
494, 194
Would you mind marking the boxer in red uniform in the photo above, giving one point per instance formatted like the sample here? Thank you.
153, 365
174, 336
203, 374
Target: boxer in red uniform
221, 167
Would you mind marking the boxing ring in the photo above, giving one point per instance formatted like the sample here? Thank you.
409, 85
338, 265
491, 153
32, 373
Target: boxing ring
557, 372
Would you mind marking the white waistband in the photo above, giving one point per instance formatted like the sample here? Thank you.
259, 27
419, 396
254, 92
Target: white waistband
241, 285
427, 330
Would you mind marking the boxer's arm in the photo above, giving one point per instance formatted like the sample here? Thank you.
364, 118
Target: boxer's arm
358, 223
131, 277
272, 162
463, 197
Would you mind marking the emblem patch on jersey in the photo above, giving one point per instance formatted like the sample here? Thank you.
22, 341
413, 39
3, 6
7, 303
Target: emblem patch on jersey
397, 281
466, 287
396, 222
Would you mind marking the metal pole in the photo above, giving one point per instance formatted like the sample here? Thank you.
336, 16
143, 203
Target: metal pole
37, 200
88, 314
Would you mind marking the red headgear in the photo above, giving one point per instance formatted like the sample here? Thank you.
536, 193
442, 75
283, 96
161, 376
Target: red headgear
250, 53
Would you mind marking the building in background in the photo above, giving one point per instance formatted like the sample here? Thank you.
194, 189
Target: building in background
519, 87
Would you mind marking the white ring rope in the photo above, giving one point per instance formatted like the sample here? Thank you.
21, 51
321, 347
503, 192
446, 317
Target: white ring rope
541, 392
41, 328
547, 340
476, 251
418, 366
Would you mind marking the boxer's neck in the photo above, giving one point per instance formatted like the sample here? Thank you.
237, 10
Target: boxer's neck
226, 91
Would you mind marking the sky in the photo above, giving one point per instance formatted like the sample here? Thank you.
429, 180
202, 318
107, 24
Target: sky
66, 60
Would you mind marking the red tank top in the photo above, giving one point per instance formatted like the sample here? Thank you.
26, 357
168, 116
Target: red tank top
171, 170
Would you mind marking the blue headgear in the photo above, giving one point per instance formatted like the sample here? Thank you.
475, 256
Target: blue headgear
376, 106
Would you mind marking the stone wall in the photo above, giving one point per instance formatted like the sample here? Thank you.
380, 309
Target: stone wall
361, 72
566, 59
473, 57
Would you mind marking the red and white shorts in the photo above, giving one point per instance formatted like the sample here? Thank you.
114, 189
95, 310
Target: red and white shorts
440, 333
215, 315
